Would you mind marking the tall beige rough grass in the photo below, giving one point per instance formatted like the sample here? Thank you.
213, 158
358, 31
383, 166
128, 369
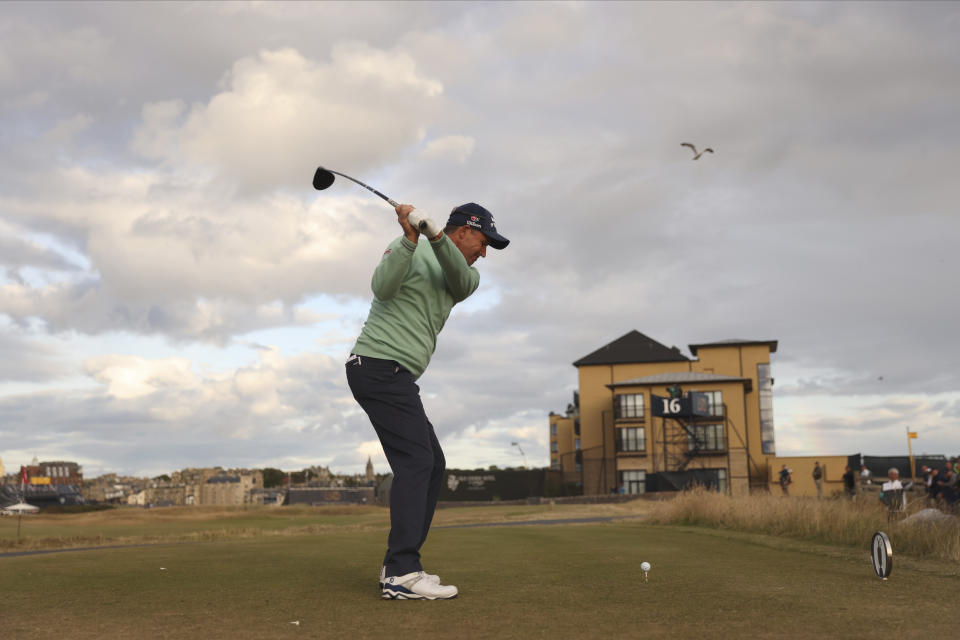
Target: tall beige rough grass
830, 521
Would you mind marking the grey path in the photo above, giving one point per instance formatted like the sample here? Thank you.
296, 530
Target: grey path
40, 552
535, 522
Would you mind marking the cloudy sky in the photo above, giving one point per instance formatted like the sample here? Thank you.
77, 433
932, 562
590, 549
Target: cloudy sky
173, 292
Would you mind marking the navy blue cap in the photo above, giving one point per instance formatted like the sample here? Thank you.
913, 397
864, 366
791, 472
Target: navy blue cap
473, 215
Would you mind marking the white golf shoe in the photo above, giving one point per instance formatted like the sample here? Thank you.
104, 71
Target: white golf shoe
416, 586
428, 576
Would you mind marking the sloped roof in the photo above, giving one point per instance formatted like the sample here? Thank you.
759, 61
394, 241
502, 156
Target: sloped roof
630, 348
677, 377
734, 342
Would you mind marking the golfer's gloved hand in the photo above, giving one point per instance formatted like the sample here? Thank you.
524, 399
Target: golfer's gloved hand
424, 224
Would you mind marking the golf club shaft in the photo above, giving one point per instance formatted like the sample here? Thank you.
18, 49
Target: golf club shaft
323, 178
367, 187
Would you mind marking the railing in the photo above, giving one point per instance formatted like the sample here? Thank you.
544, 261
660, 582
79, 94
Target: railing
631, 445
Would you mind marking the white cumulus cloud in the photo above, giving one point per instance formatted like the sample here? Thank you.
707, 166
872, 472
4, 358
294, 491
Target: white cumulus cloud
279, 114
133, 376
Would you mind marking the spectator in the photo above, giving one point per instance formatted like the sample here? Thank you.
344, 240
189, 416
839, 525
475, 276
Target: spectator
933, 486
948, 487
785, 480
818, 478
892, 495
865, 475
849, 481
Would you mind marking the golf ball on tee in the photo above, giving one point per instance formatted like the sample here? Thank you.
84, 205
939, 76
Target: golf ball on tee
644, 566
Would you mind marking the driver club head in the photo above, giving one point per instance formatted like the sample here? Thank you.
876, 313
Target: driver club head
322, 179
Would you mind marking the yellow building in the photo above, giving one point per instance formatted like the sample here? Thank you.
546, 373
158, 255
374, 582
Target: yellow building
650, 417
565, 438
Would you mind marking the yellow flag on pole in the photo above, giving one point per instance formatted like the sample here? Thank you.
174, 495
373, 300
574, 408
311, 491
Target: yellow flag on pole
911, 434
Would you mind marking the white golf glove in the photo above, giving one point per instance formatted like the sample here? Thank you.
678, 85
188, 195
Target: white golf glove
422, 222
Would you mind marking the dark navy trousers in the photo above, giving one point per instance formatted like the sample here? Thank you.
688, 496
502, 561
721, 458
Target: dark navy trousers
390, 396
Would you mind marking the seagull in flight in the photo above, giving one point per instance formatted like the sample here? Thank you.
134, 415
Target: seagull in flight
696, 155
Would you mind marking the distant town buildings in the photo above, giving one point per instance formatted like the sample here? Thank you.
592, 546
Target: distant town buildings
55, 473
205, 487
44, 484
110, 488
45, 473
356, 489
62, 482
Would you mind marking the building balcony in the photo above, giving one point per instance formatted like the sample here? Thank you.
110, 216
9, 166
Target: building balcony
630, 447
706, 452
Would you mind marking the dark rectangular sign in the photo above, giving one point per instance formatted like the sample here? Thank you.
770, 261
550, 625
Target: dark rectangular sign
692, 404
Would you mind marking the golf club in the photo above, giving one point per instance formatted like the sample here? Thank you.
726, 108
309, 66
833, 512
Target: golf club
323, 178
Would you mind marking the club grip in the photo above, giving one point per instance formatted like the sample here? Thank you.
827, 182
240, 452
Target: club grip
417, 219
422, 222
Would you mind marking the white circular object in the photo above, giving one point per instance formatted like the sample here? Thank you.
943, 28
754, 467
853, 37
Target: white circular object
882, 555
644, 566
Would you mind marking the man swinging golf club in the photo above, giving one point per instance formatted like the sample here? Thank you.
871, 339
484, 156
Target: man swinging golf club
415, 286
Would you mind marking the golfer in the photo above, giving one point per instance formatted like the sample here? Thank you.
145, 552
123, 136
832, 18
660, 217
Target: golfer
419, 279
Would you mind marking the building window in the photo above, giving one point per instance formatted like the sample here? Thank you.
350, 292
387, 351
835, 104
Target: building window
721, 480
554, 464
628, 405
553, 428
632, 439
579, 467
706, 437
634, 482
765, 392
576, 444
716, 402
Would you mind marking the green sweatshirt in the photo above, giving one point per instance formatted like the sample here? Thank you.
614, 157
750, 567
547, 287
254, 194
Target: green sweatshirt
414, 287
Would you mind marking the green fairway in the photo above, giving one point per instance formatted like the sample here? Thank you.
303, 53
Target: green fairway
179, 524
170, 524
542, 581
